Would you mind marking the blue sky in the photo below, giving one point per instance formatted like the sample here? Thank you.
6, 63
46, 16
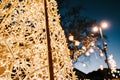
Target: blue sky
103, 10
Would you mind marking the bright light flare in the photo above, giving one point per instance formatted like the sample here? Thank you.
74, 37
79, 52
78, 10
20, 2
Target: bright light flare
95, 29
77, 43
84, 65
71, 38
87, 54
101, 67
91, 50
101, 54
104, 24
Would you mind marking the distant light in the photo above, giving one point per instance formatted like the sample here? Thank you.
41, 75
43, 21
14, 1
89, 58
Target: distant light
71, 38
87, 54
116, 77
101, 54
104, 24
118, 71
113, 75
92, 44
84, 65
91, 50
84, 47
95, 29
77, 43
101, 67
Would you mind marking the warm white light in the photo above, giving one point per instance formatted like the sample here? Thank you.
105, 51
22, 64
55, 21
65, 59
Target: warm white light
101, 67
71, 38
77, 43
84, 47
92, 44
84, 65
101, 54
91, 50
95, 29
104, 24
87, 54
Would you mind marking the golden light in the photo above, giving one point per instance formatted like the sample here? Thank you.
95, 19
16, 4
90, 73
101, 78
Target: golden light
91, 50
95, 29
32, 49
84, 47
87, 54
104, 24
101, 67
84, 65
92, 44
101, 54
77, 43
71, 38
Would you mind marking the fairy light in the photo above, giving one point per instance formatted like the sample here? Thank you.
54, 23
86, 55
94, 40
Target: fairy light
84, 48
71, 38
101, 67
77, 43
112, 63
95, 29
27, 38
87, 54
91, 50
101, 54
84, 65
92, 44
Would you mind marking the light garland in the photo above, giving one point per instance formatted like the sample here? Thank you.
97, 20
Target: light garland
23, 42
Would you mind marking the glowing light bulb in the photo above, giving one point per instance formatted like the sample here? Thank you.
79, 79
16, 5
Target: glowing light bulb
92, 44
91, 50
84, 65
95, 29
71, 38
77, 43
87, 54
84, 47
101, 67
104, 24
101, 54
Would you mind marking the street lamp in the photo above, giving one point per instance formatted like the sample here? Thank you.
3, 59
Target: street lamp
99, 28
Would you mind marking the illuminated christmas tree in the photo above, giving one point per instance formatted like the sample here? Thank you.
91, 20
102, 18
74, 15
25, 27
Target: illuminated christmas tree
30, 36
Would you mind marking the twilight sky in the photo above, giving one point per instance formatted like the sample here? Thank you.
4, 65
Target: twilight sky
102, 10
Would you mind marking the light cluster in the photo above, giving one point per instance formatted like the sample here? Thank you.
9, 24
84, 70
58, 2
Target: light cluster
23, 42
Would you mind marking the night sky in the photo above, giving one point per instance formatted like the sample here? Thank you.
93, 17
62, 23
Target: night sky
102, 10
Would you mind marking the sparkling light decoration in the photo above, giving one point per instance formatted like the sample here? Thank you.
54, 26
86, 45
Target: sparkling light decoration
87, 54
71, 38
112, 63
77, 43
23, 41
101, 67
91, 50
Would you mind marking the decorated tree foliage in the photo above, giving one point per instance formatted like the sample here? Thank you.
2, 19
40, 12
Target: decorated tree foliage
30, 32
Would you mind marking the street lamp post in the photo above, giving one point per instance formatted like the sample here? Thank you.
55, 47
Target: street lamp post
99, 28
104, 46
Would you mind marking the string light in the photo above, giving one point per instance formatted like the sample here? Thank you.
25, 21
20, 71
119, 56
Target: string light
91, 50
25, 40
101, 54
87, 54
95, 29
84, 65
84, 48
101, 67
92, 44
77, 43
71, 38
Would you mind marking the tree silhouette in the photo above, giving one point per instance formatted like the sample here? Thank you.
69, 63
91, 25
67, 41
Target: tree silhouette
76, 25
